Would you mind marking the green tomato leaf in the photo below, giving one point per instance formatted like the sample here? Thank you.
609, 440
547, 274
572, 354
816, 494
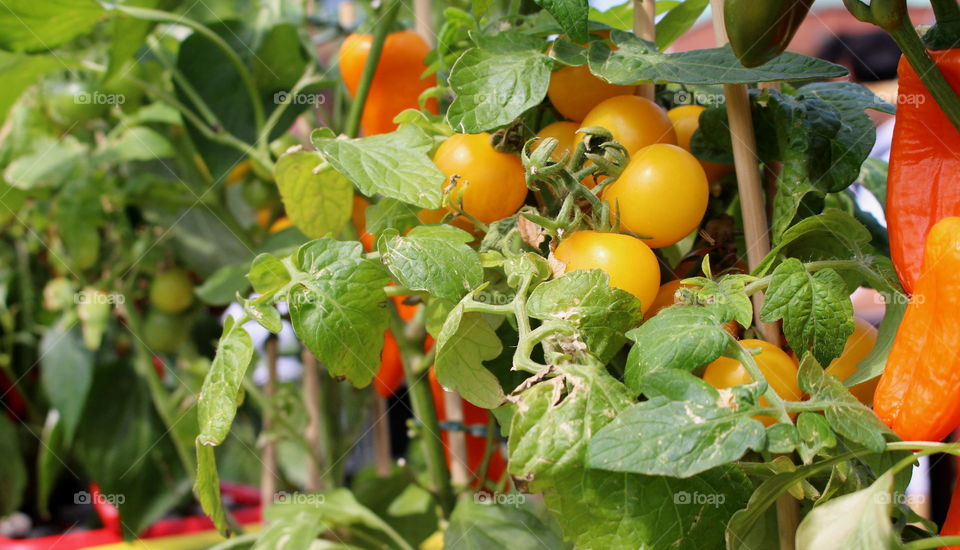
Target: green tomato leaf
845, 414
816, 309
728, 294
866, 521
268, 274
679, 337
18, 72
391, 214
336, 307
834, 231
637, 60
290, 526
66, 372
496, 82
676, 438
855, 138
782, 438
600, 313
316, 197
434, 258
814, 435
27, 26
477, 523
464, 343
222, 287
394, 165
52, 164
571, 14
217, 403
207, 487
549, 435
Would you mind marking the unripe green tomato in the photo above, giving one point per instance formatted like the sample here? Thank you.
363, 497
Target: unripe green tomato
172, 291
164, 333
70, 103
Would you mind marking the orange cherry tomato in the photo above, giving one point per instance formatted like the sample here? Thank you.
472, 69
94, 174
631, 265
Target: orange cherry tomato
777, 367
858, 346
390, 376
566, 134
634, 121
661, 194
396, 84
282, 223
686, 120
629, 262
574, 91
491, 185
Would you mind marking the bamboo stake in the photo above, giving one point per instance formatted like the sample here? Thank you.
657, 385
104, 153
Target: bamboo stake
644, 12
268, 478
757, 236
748, 176
381, 438
423, 19
311, 400
453, 404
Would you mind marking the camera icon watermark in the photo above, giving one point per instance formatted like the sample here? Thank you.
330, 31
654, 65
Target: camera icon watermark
98, 98
499, 499
689, 97
297, 497
283, 97
683, 498
95, 297
84, 497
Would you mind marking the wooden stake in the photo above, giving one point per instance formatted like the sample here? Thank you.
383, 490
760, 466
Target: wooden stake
644, 26
268, 477
457, 440
311, 401
750, 187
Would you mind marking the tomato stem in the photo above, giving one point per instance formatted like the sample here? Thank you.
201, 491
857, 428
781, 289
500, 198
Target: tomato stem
932, 542
381, 29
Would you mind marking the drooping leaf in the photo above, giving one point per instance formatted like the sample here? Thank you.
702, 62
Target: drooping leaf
217, 402
866, 521
67, 372
477, 524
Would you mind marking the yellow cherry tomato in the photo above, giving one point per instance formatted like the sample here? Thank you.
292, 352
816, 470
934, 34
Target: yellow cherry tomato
630, 263
574, 91
777, 367
661, 194
858, 346
686, 120
490, 184
634, 121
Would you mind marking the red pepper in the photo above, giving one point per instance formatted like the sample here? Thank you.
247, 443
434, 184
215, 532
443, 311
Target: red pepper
922, 185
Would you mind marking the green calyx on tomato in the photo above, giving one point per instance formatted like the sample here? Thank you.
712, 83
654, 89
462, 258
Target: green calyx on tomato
172, 291
760, 31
